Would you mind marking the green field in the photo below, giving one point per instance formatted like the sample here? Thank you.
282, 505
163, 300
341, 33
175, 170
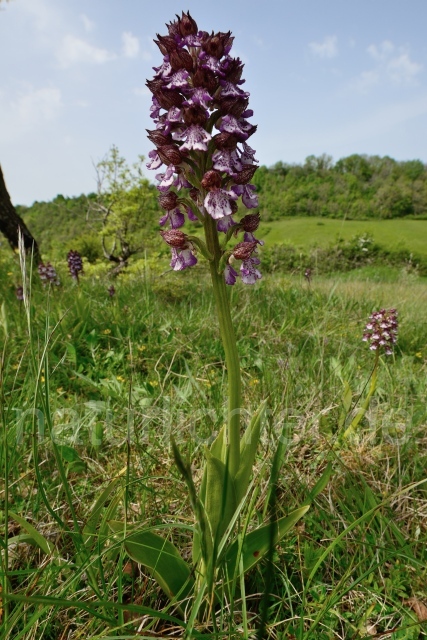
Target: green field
306, 232
92, 390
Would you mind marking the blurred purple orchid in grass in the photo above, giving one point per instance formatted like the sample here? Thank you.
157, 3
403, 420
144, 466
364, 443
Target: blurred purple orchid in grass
381, 330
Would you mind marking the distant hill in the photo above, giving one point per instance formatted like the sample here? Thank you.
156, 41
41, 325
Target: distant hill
357, 187
59, 223
354, 188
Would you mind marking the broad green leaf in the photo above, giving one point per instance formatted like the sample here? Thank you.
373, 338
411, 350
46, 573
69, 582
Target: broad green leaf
220, 503
162, 560
46, 546
248, 448
20, 539
218, 448
347, 397
257, 543
70, 455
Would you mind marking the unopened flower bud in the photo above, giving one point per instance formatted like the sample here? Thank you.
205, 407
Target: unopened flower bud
168, 98
211, 180
233, 70
225, 140
194, 194
187, 25
169, 154
205, 78
246, 175
181, 59
214, 44
250, 222
158, 138
166, 44
155, 85
168, 201
175, 238
194, 114
173, 28
233, 106
243, 250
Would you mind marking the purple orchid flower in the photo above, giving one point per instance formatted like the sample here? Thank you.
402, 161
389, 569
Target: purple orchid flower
198, 87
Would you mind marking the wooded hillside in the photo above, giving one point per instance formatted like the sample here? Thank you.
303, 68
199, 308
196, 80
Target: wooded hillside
355, 187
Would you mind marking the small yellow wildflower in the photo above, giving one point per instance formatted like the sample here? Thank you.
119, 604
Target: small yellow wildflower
142, 347
42, 378
120, 378
107, 331
59, 390
254, 382
419, 354
154, 383
9, 273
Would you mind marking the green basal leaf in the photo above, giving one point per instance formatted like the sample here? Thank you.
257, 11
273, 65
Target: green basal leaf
70, 455
220, 500
46, 546
218, 448
257, 543
248, 448
162, 560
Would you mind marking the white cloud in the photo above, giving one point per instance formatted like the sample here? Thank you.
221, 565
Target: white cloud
381, 51
74, 51
87, 23
402, 69
130, 45
38, 105
393, 65
365, 81
44, 15
326, 49
27, 111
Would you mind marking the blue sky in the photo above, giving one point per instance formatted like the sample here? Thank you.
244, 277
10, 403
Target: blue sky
325, 76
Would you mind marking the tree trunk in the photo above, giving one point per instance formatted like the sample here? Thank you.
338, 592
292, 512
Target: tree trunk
11, 222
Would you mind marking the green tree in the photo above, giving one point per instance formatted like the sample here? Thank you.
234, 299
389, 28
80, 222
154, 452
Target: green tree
126, 205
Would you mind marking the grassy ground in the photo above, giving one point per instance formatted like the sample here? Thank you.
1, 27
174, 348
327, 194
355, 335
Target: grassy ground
97, 386
305, 232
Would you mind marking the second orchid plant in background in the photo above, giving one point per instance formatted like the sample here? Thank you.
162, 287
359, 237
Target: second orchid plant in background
201, 130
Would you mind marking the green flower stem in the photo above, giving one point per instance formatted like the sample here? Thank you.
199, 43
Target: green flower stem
230, 346
366, 402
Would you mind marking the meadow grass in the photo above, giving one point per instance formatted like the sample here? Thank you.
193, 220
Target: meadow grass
92, 389
391, 234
